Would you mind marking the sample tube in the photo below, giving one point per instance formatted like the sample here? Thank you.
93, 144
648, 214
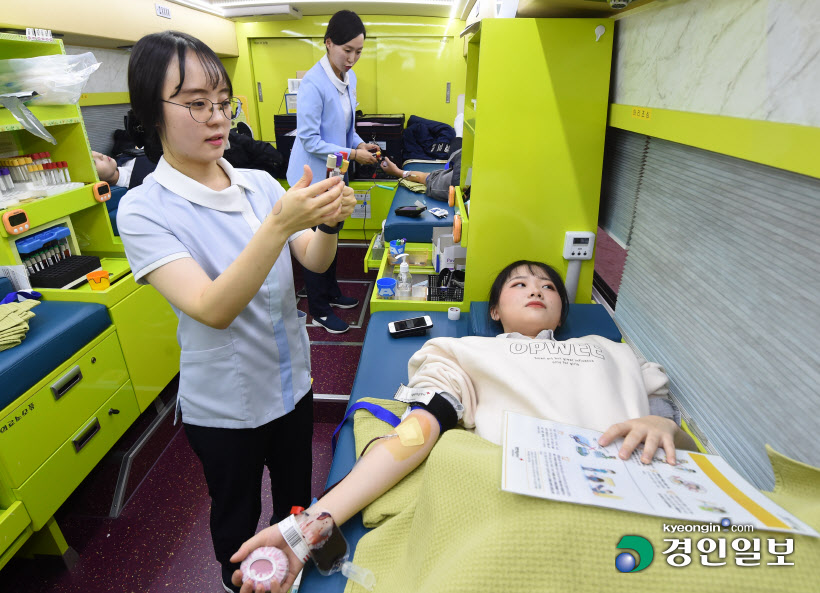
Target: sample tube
330, 163
52, 174
6, 185
18, 170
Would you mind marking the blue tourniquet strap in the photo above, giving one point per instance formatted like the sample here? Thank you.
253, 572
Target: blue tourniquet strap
379, 412
14, 297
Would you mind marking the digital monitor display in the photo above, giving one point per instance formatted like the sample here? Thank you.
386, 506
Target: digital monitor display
17, 219
584, 241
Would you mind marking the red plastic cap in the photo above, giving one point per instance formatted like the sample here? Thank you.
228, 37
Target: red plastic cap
296, 510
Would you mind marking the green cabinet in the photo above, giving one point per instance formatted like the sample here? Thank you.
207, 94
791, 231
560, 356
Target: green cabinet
124, 368
534, 125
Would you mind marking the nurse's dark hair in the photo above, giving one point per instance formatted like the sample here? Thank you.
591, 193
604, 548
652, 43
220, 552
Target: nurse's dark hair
147, 68
344, 26
534, 267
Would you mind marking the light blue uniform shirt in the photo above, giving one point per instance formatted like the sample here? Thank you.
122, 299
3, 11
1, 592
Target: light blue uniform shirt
320, 123
255, 370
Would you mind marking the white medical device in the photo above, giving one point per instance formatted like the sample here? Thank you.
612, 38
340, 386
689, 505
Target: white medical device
578, 246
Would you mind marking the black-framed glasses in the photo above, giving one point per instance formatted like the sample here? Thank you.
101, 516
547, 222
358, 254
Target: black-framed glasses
202, 110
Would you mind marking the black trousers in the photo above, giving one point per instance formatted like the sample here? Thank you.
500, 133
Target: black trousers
321, 289
234, 460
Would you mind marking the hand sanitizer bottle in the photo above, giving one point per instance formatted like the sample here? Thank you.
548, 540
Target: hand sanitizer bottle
404, 280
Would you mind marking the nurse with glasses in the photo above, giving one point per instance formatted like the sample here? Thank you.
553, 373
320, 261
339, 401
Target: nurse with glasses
216, 242
202, 109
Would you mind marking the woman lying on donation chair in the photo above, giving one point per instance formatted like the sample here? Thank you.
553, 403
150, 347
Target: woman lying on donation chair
591, 382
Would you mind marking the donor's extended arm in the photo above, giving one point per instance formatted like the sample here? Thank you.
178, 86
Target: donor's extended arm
385, 462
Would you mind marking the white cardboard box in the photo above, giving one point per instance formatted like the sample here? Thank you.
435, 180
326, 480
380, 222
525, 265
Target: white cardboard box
446, 252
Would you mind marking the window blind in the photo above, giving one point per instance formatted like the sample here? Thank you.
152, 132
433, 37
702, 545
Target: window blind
624, 159
719, 286
100, 123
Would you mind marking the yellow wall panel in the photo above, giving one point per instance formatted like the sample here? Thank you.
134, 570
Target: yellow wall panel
274, 61
419, 89
541, 90
412, 75
108, 24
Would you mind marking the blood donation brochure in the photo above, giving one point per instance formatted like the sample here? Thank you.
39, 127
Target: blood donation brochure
556, 461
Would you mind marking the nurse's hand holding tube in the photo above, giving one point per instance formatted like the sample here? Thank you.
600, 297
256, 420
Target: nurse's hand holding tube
362, 153
346, 205
304, 206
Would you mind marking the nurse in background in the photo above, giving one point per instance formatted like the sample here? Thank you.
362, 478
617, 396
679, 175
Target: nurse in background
326, 124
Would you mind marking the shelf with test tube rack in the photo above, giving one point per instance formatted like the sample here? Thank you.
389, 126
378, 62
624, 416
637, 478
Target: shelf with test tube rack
32, 176
44, 249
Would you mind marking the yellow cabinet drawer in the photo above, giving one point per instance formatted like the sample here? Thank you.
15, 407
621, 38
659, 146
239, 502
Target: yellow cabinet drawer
41, 423
48, 488
373, 257
14, 530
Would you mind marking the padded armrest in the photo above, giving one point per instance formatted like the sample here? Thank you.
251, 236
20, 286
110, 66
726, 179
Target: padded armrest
415, 230
117, 193
56, 332
5, 287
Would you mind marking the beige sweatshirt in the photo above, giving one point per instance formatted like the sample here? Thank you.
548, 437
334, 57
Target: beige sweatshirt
590, 382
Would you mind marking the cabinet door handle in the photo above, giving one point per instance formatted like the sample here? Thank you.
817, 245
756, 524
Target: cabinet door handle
61, 386
112, 411
88, 432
